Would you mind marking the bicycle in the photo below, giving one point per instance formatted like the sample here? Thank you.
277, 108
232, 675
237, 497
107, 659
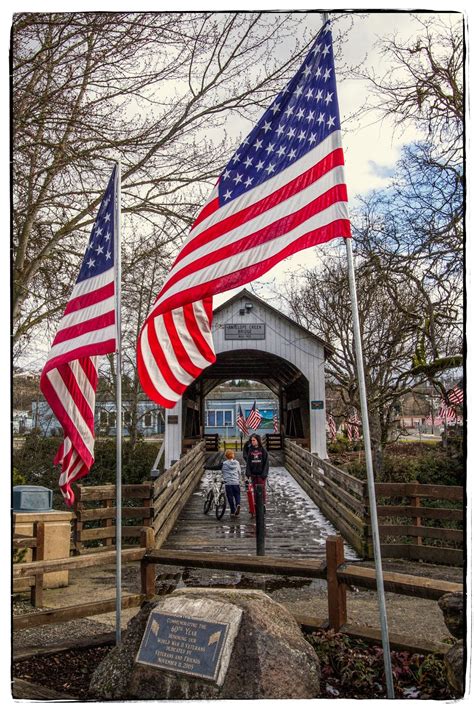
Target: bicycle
215, 497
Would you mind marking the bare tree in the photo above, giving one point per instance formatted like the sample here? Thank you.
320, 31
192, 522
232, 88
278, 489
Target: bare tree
424, 83
150, 88
322, 304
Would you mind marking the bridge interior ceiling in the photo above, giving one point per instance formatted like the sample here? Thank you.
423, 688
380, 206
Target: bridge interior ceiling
274, 372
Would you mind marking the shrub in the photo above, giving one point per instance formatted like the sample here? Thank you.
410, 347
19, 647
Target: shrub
33, 463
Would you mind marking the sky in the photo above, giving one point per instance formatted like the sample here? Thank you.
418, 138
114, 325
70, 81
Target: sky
371, 148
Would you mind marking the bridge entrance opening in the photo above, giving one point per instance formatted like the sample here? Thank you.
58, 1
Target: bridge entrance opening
255, 342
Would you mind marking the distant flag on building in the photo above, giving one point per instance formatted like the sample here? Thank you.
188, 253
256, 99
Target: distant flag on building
456, 394
331, 426
282, 191
254, 418
87, 330
276, 423
241, 424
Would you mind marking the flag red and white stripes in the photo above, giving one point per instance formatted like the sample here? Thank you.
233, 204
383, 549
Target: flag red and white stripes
332, 429
254, 418
87, 330
282, 191
352, 425
456, 394
241, 424
276, 422
446, 412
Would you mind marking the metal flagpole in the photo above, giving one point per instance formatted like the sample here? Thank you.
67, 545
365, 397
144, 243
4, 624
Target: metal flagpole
369, 467
370, 473
118, 418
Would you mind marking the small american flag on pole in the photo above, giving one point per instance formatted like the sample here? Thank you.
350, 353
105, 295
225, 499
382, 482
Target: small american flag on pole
276, 422
87, 330
446, 412
282, 191
254, 418
353, 424
241, 424
332, 429
456, 394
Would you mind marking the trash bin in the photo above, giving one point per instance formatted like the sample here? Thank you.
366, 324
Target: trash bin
32, 498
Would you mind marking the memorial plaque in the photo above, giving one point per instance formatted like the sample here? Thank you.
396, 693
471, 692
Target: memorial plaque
186, 645
317, 405
244, 331
172, 419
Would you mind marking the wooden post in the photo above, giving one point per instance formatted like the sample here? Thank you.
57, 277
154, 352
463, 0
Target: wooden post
37, 588
415, 501
147, 570
108, 522
337, 608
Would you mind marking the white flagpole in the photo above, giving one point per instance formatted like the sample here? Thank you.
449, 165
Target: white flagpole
118, 418
370, 473
369, 466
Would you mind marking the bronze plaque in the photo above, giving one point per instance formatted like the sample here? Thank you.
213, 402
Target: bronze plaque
185, 645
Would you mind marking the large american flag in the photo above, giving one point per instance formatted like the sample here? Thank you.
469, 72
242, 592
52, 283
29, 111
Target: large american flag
254, 418
282, 191
241, 424
87, 330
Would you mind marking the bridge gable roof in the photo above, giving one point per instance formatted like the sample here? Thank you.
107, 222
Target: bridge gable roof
245, 294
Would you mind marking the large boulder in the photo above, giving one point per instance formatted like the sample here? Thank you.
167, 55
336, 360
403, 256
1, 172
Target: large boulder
454, 665
265, 656
452, 607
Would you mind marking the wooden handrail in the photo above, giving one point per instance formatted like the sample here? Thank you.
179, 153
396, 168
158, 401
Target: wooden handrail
307, 568
399, 583
21, 570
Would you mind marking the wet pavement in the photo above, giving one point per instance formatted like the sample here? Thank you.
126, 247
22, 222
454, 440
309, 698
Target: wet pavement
294, 525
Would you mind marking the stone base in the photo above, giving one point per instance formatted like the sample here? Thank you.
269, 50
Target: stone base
265, 655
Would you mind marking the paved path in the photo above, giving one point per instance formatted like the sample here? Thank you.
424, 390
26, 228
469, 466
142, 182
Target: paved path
294, 526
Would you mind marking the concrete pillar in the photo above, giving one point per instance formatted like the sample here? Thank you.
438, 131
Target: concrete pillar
317, 417
173, 433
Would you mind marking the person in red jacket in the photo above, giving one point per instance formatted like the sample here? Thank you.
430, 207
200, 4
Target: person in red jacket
257, 463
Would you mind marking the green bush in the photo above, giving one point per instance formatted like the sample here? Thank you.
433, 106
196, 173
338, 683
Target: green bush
33, 463
427, 466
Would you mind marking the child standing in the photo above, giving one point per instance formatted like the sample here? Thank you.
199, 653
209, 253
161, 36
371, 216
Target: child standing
231, 476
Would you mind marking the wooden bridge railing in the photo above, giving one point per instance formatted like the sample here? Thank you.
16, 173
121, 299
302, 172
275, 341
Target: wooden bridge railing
172, 490
339, 575
340, 496
421, 521
408, 527
95, 515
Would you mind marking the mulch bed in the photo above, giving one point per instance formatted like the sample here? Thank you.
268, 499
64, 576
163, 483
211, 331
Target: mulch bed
349, 669
67, 672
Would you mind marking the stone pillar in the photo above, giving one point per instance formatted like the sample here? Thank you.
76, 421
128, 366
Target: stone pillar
57, 542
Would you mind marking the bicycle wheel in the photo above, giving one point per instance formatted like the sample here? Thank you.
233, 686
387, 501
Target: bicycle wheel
208, 501
220, 506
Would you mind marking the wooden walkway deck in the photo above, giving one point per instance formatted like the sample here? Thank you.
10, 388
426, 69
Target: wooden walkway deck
294, 526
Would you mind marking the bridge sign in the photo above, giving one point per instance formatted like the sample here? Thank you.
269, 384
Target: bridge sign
244, 331
186, 645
